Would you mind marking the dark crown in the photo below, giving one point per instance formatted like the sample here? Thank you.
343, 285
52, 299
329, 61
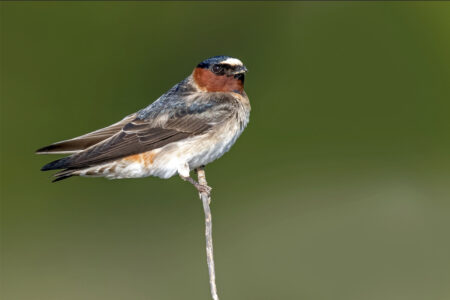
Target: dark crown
212, 61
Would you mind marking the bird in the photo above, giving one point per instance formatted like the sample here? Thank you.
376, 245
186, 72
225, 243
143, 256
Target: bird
192, 124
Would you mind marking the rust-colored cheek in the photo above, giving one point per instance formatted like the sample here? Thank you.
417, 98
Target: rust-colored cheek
210, 82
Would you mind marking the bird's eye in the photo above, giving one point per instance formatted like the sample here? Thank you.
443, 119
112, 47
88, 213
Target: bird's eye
217, 69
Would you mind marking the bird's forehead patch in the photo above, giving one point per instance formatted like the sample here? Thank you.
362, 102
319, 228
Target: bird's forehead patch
232, 61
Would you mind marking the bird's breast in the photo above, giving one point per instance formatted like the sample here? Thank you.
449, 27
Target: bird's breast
217, 142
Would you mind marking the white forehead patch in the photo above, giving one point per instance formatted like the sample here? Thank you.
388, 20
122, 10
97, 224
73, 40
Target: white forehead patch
232, 62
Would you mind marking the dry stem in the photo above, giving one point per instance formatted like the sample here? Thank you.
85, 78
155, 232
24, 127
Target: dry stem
206, 199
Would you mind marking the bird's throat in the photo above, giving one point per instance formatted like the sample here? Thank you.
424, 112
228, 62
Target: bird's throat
210, 82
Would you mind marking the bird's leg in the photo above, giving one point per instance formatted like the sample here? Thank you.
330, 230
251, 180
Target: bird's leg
183, 171
200, 187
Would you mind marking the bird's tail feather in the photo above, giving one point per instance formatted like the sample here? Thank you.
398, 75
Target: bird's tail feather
64, 174
57, 164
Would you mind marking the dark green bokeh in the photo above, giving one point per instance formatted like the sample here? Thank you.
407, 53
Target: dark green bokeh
338, 189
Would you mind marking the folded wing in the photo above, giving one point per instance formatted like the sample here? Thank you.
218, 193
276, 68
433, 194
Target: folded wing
144, 134
85, 141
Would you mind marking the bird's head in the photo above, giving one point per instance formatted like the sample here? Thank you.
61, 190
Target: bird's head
220, 74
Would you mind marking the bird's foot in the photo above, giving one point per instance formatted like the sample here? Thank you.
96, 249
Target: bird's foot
201, 188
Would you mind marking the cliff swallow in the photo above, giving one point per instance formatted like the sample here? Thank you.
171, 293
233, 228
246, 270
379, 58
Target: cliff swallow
191, 125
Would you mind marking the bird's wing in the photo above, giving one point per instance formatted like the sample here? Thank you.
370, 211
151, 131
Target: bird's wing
85, 141
145, 134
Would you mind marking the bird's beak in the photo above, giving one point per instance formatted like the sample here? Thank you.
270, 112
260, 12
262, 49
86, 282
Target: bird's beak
240, 70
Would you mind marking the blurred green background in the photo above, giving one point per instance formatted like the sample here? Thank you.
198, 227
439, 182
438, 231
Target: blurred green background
338, 188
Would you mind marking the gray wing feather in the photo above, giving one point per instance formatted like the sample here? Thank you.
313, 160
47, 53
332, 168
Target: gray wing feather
85, 141
155, 127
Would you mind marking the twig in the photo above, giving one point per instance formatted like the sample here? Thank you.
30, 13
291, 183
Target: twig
206, 199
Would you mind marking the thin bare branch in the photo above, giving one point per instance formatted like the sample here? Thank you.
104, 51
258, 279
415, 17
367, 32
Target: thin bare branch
206, 199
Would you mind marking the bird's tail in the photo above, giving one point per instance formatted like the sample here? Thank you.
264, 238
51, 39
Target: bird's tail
63, 175
61, 163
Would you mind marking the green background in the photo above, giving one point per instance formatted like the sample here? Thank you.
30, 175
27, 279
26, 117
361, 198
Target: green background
338, 188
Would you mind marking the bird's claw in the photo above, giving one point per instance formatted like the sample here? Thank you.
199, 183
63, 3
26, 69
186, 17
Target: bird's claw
203, 188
